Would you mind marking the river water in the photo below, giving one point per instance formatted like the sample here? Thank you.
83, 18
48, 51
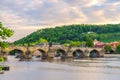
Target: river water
107, 68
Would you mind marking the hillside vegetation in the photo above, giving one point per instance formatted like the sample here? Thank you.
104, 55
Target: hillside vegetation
68, 33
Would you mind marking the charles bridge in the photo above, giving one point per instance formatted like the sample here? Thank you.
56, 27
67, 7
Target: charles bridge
56, 51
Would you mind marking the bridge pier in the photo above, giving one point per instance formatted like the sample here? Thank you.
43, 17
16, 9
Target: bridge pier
50, 55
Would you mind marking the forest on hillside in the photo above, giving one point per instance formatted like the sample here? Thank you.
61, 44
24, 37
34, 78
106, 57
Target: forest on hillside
67, 33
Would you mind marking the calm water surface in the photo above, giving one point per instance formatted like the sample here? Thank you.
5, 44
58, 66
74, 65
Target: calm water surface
107, 68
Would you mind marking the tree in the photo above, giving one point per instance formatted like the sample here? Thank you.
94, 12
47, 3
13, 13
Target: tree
66, 44
107, 48
4, 34
89, 42
3, 44
41, 40
67, 33
75, 43
118, 49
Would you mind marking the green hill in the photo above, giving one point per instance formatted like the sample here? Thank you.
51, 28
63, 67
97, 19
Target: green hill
65, 34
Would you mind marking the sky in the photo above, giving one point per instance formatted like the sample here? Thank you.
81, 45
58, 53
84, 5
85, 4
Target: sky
27, 16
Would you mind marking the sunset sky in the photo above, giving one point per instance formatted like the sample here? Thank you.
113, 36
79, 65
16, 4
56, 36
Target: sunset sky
26, 16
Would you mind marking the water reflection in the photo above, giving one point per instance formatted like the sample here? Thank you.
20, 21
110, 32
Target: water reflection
107, 68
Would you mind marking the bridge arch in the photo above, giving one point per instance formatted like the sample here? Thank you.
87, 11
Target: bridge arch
40, 53
78, 53
16, 52
94, 54
60, 53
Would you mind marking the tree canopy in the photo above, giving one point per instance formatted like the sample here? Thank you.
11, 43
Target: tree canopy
75, 33
89, 42
118, 49
41, 40
107, 48
4, 34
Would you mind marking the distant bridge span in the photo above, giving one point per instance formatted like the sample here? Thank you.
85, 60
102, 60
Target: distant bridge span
62, 51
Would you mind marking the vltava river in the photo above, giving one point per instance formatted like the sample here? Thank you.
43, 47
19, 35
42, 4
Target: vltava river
107, 68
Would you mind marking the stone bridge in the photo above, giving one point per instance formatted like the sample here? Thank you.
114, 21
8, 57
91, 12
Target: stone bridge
60, 51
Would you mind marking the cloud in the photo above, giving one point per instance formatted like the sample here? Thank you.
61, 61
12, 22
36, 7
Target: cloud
37, 14
11, 18
35, 4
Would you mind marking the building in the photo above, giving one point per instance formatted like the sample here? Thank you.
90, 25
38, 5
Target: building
114, 44
101, 44
98, 44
